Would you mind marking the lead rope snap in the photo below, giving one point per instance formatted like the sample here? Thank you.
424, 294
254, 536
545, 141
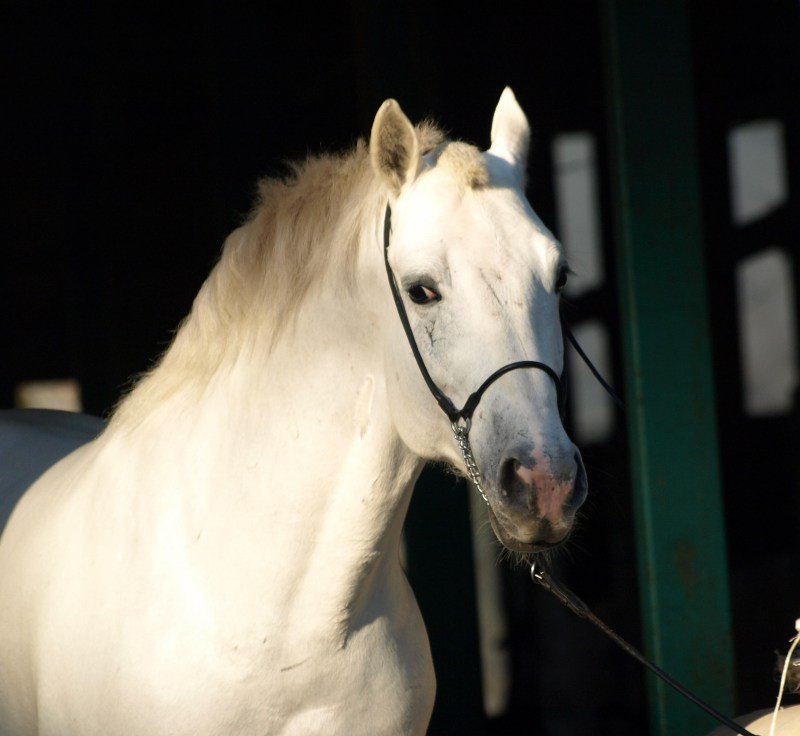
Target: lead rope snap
461, 434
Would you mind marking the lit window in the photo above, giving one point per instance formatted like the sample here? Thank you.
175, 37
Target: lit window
757, 160
56, 394
577, 209
593, 411
492, 623
768, 332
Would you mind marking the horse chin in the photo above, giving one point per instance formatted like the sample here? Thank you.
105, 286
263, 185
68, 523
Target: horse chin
517, 545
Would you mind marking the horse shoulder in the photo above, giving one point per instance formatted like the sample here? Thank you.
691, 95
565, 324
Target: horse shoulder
42, 454
35, 447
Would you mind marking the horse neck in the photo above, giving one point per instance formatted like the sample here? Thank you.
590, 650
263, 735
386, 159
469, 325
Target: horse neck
286, 468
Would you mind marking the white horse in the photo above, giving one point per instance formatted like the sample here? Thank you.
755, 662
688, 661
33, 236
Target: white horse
224, 557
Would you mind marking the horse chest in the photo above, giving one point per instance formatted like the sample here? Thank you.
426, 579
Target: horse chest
165, 672
380, 682
376, 679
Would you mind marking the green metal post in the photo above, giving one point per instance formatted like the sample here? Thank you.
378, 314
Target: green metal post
668, 370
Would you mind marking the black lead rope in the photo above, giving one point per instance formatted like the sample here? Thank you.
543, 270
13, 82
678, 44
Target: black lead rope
538, 574
579, 608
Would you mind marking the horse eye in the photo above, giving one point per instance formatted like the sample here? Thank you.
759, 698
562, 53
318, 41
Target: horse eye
561, 282
420, 294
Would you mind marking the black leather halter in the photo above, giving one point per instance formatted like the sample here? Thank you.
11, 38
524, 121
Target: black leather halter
461, 432
446, 404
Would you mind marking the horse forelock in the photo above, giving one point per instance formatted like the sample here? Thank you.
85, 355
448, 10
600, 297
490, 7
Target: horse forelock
464, 162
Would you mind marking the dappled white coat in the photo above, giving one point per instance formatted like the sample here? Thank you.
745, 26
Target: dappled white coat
224, 558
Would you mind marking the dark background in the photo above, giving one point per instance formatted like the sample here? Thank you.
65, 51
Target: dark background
134, 138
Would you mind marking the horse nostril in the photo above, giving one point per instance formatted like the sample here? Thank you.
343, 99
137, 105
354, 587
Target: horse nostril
508, 475
518, 483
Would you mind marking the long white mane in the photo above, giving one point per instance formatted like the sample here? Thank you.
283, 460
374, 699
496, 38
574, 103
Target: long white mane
303, 228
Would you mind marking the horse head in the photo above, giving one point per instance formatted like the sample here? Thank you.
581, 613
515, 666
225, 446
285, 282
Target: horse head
479, 276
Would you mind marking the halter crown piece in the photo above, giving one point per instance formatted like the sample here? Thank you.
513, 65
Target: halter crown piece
461, 422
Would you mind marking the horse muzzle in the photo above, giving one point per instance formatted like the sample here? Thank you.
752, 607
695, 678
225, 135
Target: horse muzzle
535, 499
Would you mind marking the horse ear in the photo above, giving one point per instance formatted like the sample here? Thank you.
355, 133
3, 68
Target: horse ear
393, 147
511, 133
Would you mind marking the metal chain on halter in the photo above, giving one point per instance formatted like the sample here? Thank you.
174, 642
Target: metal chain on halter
461, 433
